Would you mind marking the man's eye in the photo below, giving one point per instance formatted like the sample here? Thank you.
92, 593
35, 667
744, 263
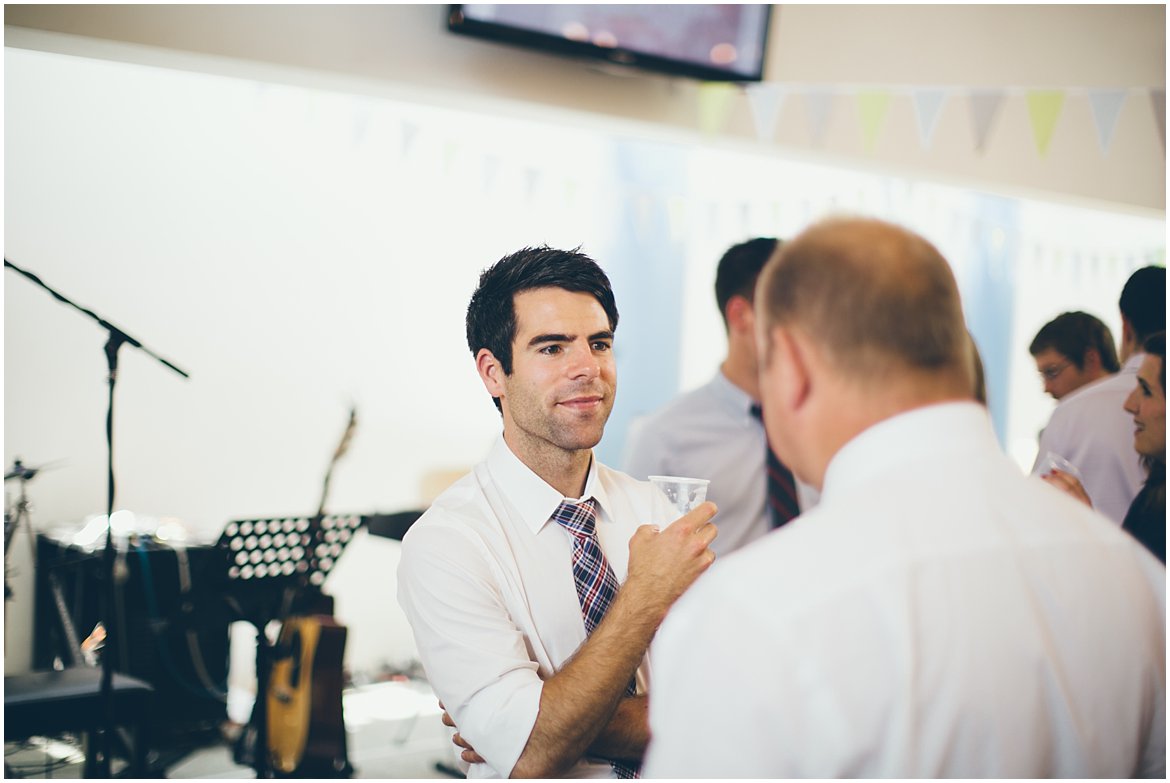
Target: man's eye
551, 350
601, 346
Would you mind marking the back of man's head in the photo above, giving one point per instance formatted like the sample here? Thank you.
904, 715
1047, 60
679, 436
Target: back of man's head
1073, 335
1143, 302
738, 270
881, 302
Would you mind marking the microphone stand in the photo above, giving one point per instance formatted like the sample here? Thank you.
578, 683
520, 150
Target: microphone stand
116, 338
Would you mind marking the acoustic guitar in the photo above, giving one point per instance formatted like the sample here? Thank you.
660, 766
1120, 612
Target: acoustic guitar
306, 727
305, 721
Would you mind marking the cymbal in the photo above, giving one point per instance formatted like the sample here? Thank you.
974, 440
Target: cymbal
24, 472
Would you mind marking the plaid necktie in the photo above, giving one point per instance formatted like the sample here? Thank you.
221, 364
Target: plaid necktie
782, 503
596, 584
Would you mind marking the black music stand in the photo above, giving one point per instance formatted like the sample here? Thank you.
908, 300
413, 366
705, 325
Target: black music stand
270, 565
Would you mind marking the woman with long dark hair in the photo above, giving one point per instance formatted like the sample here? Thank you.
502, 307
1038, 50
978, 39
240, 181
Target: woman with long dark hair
1146, 518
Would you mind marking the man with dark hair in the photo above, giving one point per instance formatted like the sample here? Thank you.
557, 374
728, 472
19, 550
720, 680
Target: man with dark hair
1071, 350
936, 614
1089, 427
532, 590
715, 431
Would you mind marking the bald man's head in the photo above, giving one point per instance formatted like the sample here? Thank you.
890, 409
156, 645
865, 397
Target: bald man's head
879, 300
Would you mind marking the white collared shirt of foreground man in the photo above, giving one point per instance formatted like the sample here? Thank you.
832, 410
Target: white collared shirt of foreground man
936, 615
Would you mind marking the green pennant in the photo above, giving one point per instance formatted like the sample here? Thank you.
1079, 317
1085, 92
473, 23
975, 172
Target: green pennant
873, 105
1044, 108
714, 106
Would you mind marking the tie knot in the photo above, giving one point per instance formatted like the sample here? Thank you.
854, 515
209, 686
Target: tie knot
757, 411
580, 519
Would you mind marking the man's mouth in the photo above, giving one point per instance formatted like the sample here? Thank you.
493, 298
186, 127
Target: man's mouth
584, 402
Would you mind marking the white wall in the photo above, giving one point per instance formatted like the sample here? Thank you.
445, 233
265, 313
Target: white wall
838, 48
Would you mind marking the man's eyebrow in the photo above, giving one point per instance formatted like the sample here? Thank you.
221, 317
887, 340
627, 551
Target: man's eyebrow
549, 338
541, 339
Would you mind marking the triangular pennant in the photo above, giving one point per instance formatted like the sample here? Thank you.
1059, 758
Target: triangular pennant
1106, 105
818, 104
1158, 99
491, 167
1044, 109
361, 122
676, 214
765, 101
409, 131
927, 108
643, 212
984, 107
531, 180
873, 105
450, 151
714, 106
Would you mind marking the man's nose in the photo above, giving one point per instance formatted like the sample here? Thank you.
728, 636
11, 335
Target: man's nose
583, 363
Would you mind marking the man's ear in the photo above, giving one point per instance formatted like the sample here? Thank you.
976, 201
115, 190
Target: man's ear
1092, 360
491, 372
740, 316
788, 376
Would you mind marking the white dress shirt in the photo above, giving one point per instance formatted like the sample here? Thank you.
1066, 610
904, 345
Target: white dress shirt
1091, 429
710, 433
936, 615
486, 581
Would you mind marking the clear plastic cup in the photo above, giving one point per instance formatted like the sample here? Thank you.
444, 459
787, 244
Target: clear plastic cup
681, 493
1052, 461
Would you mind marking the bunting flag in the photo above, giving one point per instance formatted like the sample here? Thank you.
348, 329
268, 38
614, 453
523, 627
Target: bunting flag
450, 151
531, 180
873, 105
985, 106
1106, 105
927, 108
714, 106
409, 131
491, 169
361, 123
1044, 108
1158, 99
676, 215
818, 104
765, 101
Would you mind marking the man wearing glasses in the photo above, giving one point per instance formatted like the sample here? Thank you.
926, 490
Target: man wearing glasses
1071, 351
1090, 428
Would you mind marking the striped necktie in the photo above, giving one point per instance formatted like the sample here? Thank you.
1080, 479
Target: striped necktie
596, 584
782, 502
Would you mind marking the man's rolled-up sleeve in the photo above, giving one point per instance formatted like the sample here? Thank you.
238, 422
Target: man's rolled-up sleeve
474, 655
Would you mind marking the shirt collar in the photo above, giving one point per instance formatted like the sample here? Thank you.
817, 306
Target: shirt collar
733, 396
535, 499
1133, 363
932, 432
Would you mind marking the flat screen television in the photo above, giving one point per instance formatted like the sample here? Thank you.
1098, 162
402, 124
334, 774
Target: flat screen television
710, 42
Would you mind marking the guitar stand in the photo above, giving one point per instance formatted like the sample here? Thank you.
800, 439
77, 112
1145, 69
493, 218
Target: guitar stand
275, 569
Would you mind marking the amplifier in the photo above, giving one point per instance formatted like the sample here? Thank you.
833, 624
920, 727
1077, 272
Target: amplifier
169, 623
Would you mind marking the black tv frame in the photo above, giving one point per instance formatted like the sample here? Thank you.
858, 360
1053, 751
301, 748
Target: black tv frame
503, 33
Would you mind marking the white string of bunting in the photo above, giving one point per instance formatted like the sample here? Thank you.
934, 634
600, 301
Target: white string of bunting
1045, 107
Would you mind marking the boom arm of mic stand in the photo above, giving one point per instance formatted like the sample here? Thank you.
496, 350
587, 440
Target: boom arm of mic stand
117, 635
